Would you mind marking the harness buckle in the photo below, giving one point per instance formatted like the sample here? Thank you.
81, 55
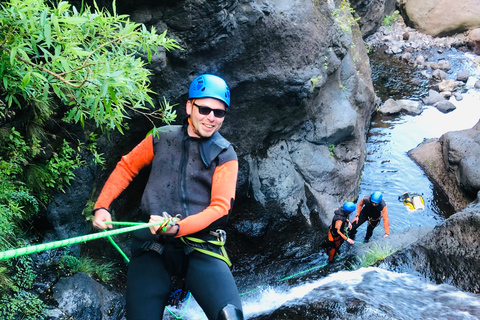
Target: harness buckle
153, 246
221, 235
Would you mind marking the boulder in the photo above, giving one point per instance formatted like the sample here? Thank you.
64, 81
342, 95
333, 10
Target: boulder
452, 163
392, 106
445, 106
461, 154
433, 97
444, 254
441, 17
447, 85
81, 297
463, 75
474, 40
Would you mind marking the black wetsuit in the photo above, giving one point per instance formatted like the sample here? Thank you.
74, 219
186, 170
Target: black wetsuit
371, 213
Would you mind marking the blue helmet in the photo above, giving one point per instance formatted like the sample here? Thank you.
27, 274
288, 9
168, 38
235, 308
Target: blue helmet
209, 86
349, 207
376, 197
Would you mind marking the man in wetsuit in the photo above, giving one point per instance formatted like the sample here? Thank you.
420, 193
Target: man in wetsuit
370, 209
193, 176
337, 233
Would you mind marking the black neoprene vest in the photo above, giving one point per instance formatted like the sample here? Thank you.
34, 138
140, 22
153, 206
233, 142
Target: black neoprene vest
339, 215
374, 212
180, 180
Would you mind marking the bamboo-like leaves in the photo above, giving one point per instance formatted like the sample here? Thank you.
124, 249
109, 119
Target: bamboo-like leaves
89, 60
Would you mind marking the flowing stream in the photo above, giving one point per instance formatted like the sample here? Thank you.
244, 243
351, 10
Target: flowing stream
388, 295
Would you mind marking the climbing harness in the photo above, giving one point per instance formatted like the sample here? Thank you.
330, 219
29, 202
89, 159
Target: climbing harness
373, 222
210, 246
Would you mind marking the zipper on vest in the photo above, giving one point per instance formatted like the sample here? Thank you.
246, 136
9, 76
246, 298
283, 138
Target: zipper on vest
183, 175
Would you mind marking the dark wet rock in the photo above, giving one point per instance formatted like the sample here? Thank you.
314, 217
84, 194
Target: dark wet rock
449, 254
65, 212
81, 297
461, 154
445, 106
392, 106
428, 155
372, 13
452, 162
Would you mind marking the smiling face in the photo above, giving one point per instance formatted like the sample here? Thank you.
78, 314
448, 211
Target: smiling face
204, 126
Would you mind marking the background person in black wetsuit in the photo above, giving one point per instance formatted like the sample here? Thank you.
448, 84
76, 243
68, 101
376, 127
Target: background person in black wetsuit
337, 233
370, 209
193, 174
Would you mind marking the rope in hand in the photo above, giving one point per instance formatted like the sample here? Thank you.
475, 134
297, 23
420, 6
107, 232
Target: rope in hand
13, 253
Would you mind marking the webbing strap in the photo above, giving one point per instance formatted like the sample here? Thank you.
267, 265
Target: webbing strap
223, 253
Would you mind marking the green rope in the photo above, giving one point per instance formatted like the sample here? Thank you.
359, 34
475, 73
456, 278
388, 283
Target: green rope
301, 272
118, 249
184, 310
13, 253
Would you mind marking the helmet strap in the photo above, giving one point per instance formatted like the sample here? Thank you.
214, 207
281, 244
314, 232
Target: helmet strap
189, 119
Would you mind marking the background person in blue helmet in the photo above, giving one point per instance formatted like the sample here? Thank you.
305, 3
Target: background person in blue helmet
337, 232
193, 177
370, 208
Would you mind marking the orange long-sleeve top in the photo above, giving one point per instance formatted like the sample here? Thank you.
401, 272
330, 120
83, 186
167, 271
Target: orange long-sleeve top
223, 187
384, 214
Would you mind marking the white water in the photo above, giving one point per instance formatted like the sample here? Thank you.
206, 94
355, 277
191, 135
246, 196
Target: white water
403, 296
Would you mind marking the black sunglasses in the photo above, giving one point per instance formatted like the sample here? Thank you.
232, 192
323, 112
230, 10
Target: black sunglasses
218, 113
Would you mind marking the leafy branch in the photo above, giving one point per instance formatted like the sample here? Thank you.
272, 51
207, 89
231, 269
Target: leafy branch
94, 62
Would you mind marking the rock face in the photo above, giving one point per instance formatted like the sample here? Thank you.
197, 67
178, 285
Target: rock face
444, 254
372, 13
441, 17
302, 97
81, 297
452, 162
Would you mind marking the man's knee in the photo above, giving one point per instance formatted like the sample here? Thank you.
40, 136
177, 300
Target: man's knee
230, 312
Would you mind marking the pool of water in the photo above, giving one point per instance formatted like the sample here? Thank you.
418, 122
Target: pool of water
389, 169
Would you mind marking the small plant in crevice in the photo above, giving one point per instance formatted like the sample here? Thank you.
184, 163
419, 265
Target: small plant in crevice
102, 271
331, 149
389, 20
374, 254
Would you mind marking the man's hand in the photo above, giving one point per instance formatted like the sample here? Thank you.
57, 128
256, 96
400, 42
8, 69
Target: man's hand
355, 220
386, 235
102, 216
167, 230
350, 241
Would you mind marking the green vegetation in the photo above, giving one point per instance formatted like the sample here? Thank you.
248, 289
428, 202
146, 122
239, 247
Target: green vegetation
374, 254
104, 271
21, 304
331, 149
62, 70
390, 19
344, 16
